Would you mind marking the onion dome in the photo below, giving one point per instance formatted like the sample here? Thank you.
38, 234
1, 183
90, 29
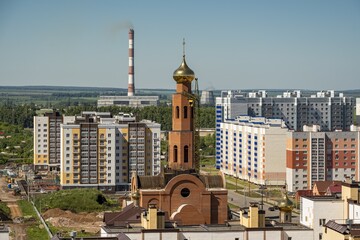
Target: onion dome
183, 74
286, 203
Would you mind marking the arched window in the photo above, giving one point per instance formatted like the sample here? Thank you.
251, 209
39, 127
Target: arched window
185, 112
177, 112
175, 153
186, 153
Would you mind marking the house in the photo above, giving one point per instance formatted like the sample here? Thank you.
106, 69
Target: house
320, 187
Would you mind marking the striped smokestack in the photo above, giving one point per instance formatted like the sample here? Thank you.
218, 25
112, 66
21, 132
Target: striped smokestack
131, 83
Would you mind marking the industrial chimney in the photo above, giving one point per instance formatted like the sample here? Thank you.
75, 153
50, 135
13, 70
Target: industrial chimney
131, 84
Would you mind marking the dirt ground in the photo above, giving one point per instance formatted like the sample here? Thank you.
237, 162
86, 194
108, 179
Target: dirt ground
17, 229
88, 222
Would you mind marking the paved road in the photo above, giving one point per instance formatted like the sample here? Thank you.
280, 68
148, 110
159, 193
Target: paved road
243, 201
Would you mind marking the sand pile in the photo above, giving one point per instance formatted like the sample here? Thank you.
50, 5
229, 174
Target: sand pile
90, 222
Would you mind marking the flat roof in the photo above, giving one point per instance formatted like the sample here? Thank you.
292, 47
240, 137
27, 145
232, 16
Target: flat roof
323, 198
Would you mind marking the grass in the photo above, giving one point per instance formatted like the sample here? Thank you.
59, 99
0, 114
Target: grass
240, 182
232, 206
5, 209
231, 186
208, 161
65, 231
35, 230
76, 200
26, 208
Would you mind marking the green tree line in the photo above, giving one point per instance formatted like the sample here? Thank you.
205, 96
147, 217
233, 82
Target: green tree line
22, 115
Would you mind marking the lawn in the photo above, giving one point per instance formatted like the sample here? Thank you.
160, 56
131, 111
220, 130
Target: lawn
35, 230
76, 200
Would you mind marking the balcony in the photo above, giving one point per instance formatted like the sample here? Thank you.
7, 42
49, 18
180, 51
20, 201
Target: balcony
84, 168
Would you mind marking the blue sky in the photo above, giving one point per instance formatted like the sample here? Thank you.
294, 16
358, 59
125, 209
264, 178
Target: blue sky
234, 44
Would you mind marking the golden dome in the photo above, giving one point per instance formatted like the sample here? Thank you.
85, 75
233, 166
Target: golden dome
286, 203
183, 73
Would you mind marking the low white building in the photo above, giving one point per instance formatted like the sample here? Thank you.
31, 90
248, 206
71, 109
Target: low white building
231, 231
317, 210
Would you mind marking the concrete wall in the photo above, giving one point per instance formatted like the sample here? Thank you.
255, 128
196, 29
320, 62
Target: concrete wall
275, 155
253, 234
313, 210
354, 212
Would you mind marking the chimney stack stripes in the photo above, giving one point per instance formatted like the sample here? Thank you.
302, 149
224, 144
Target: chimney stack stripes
131, 84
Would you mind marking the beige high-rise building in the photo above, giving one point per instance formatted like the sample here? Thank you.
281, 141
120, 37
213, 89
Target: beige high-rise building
47, 140
100, 150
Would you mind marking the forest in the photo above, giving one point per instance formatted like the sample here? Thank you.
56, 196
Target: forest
22, 115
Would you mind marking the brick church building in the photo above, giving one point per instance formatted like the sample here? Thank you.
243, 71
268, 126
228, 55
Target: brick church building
180, 191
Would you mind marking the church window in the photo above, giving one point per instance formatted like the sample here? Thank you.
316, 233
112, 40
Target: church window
185, 112
185, 192
175, 153
177, 112
186, 153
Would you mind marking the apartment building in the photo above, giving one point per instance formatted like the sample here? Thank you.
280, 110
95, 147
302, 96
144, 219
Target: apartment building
128, 101
47, 140
100, 150
253, 148
326, 109
313, 155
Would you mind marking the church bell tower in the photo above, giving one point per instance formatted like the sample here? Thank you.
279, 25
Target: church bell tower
181, 138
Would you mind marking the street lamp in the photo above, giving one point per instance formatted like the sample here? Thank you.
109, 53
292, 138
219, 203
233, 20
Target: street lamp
262, 188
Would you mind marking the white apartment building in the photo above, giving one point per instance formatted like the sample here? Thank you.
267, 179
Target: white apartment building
253, 148
327, 109
100, 150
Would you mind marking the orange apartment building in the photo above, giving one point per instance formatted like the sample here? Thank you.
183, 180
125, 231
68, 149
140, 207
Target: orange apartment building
313, 155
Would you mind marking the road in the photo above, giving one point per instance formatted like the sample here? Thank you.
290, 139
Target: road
243, 201
17, 229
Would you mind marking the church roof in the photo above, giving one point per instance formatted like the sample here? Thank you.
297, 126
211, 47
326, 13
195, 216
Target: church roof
161, 180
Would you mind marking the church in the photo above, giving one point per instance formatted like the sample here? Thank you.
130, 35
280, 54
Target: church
180, 192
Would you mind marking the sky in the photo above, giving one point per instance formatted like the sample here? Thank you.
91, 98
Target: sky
233, 44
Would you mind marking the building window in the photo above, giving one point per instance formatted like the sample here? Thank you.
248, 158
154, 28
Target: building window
175, 153
185, 112
186, 153
185, 192
322, 221
177, 112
